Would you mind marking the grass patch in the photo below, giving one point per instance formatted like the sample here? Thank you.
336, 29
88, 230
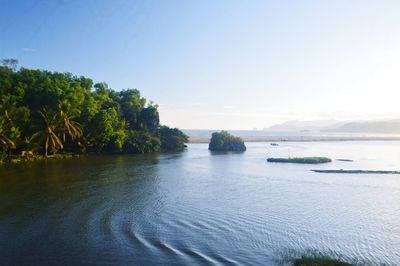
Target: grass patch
313, 257
312, 261
15, 159
303, 160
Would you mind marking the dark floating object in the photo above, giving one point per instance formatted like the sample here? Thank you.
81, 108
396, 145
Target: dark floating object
274, 144
341, 171
344, 160
303, 160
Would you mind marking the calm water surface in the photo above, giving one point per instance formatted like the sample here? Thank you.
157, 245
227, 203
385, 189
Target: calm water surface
202, 208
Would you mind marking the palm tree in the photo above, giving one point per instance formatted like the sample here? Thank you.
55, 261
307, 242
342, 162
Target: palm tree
48, 133
30, 145
6, 142
9, 133
68, 127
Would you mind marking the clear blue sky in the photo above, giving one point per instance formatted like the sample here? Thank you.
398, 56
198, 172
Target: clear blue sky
221, 64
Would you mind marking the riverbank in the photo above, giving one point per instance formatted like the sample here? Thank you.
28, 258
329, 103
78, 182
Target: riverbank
15, 159
202, 139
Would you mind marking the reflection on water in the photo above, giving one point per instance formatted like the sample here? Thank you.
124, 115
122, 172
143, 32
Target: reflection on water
200, 208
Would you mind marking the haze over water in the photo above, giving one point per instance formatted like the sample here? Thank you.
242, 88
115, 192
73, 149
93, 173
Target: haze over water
199, 207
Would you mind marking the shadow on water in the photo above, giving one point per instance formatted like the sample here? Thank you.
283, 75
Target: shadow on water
54, 209
226, 152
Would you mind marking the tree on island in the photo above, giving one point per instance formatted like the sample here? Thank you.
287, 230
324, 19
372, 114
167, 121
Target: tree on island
51, 111
172, 139
223, 141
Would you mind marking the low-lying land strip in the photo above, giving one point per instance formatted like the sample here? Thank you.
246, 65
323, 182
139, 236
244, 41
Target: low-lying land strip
303, 160
203, 139
341, 171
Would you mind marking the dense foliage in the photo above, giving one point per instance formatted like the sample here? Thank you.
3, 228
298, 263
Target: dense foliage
172, 139
223, 141
43, 112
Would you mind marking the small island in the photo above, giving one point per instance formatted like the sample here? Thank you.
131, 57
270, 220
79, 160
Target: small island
223, 141
302, 160
344, 160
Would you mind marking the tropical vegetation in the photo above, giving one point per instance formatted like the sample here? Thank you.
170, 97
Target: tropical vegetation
45, 113
223, 141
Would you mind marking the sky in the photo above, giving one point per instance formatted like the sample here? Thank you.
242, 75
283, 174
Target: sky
214, 64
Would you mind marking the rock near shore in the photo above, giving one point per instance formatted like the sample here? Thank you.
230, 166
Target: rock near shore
223, 141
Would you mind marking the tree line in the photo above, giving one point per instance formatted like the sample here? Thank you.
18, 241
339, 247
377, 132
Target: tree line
44, 112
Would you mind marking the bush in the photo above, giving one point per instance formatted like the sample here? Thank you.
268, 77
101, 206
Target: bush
172, 139
141, 142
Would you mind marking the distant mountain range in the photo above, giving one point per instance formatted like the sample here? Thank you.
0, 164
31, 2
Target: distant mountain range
311, 125
382, 126
385, 127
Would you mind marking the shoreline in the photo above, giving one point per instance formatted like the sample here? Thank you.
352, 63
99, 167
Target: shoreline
199, 139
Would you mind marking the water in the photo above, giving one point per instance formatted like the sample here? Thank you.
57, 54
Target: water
202, 208
296, 134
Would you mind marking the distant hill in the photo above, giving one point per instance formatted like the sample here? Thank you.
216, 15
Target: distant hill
311, 125
384, 127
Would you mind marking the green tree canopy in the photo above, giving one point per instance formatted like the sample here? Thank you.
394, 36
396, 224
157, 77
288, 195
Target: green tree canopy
223, 141
61, 111
172, 139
